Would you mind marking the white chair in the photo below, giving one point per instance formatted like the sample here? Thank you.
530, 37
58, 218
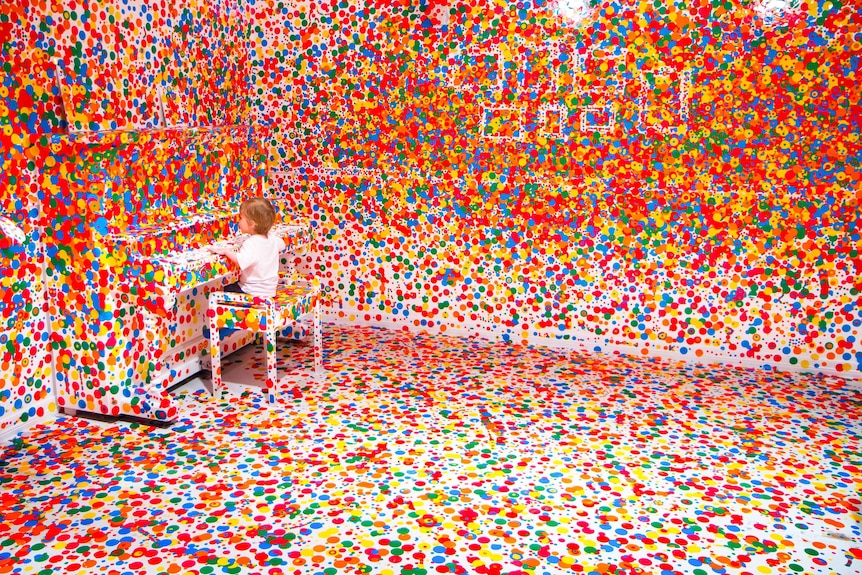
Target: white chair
296, 303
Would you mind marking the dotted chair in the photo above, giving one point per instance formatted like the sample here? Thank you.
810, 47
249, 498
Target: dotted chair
295, 304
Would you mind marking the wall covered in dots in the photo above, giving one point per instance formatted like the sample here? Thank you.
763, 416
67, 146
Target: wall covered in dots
658, 177
26, 393
126, 127
663, 178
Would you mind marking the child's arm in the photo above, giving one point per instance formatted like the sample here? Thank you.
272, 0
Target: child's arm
224, 251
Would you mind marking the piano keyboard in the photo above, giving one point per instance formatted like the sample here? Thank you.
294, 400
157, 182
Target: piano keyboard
170, 274
200, 256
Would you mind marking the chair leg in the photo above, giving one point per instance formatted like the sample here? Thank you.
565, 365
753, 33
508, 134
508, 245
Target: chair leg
271, 365
215, 358
318, 341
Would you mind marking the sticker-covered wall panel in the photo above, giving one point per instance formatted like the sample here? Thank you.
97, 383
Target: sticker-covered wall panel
125, 131
664, 178
26, 393
27, 108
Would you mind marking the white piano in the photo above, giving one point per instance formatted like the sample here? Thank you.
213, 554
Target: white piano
129, 303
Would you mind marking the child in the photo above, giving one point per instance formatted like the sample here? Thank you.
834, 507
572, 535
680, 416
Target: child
259, 254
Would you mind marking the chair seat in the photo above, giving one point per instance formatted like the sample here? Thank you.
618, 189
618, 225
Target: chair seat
242, 311
296, 301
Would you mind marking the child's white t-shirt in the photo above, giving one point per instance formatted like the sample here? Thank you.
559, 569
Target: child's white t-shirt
258, 259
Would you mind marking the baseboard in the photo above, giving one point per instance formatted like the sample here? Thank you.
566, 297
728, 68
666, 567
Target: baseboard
10, 433
853, 378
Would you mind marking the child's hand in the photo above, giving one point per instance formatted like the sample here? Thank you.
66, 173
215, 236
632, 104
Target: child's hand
223, 251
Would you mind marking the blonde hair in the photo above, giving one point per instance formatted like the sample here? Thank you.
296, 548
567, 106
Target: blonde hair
261, 213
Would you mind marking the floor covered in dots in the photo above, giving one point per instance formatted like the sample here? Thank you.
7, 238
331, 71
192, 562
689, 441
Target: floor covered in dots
431, 454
